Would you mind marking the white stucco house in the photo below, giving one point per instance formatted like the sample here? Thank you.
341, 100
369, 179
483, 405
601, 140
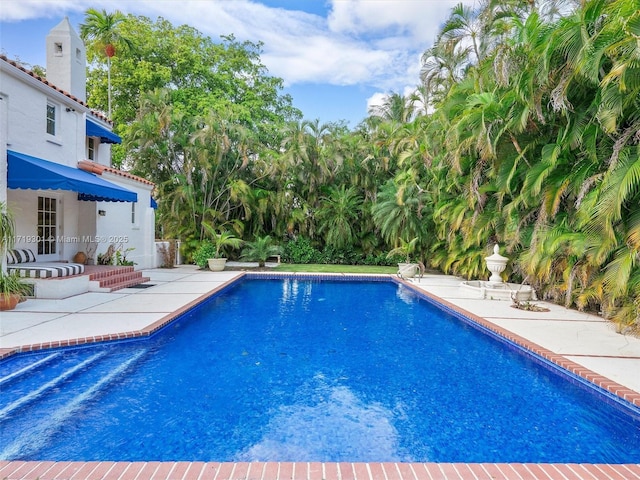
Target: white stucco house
55, 163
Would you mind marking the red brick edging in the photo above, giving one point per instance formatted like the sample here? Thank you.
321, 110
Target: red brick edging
610, 386
109, 337
312, 471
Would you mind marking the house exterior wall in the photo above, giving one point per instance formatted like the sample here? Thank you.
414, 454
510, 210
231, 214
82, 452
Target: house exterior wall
4, 131
23, 129
26, 120
135, 236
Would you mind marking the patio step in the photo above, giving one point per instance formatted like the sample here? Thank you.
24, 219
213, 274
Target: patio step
115, 278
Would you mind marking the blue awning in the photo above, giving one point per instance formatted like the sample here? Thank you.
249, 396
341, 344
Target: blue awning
154, 204
27, 172
105, 136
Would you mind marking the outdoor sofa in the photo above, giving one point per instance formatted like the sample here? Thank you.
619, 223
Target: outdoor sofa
23, 262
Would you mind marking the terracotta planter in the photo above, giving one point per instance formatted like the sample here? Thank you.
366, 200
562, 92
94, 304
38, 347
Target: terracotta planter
9, 302
217, 264
80, 257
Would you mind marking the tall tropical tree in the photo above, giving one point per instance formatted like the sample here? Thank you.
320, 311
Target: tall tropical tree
101, 32
338, 215
401, 211
395, 108
464, 25
442, 67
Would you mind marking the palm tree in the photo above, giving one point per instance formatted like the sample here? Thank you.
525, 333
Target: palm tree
464, 24
405, 249
101, 31
338, 215
401, 211
260, 250
442, 67
222, 240
395, 108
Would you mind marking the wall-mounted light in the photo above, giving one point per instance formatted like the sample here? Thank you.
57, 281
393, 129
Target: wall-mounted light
69, 109
102, 213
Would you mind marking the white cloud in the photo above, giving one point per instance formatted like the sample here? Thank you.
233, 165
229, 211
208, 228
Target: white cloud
413, 20
373, 43
14, 11
375, 100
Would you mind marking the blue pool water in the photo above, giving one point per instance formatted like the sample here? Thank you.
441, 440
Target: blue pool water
290, 370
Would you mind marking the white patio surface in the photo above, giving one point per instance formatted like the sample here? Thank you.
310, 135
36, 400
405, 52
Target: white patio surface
583, 338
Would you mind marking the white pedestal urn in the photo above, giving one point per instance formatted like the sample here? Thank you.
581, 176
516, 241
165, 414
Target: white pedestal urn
496, 264
407, 270
217, 264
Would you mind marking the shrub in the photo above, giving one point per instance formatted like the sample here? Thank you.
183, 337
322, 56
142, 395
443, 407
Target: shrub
300, 250
381, 259
203, 253
337, 256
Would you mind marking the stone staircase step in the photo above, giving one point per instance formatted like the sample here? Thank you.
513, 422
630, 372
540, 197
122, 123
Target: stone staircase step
115, 278
129, 283
109, 272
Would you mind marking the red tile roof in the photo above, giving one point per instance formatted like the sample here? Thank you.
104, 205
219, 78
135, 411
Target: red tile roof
99, 169
57, 89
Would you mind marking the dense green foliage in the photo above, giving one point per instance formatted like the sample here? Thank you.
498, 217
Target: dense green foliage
203, 253
524, 131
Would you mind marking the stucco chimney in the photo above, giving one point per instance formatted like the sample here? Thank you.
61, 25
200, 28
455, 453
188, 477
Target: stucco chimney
67, 60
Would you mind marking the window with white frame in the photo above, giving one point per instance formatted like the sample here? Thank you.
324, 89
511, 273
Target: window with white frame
51, 119
91, 149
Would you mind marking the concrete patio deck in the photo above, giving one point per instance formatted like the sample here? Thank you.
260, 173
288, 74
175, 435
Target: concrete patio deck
583, 343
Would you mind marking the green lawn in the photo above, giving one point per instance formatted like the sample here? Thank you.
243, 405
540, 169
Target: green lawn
321, 268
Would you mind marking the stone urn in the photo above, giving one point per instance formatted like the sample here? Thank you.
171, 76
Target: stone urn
407, 270
217, 264
496, 264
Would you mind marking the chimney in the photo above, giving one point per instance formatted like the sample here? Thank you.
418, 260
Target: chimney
67, 60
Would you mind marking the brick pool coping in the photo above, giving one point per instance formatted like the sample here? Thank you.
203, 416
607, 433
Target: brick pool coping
601, 381
312, 471
111, 337
48, 470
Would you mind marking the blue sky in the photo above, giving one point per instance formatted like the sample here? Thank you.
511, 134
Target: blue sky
337, 57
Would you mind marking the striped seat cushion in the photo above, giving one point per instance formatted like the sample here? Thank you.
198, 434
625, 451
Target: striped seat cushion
46, 270
20, 255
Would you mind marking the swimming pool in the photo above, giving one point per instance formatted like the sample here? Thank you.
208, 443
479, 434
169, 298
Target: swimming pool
300, 371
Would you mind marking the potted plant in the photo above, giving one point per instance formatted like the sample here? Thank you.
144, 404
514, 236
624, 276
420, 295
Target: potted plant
12, 290
11, 286
260, 250
216, 246
407, 269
